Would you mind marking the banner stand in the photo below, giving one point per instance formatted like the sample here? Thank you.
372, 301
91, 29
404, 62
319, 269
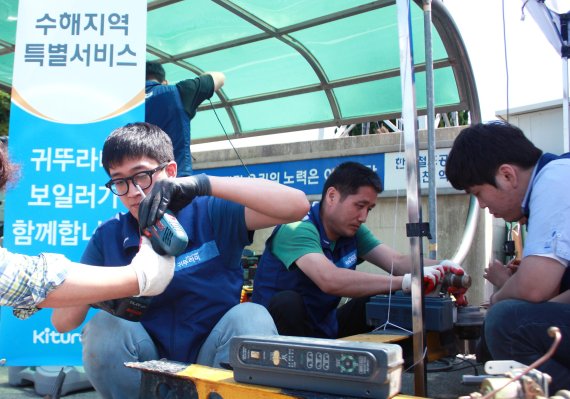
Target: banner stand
45, 379
79, 74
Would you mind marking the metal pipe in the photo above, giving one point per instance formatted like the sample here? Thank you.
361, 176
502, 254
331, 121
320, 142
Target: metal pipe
430, 111
564, 51
468, 231
409, 115
457, 51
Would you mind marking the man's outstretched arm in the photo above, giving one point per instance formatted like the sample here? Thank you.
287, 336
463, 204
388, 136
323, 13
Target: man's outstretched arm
219, 79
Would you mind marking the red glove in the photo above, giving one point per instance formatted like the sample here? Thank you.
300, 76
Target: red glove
459, 294
450, 266
432, 277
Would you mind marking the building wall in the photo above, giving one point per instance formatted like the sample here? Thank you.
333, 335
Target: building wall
389, 218
542, 124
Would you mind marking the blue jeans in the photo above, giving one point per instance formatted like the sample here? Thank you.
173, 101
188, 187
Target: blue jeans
517, 330
109, 342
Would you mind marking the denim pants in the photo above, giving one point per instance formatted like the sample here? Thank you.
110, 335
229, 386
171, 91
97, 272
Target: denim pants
109, 342
517, 330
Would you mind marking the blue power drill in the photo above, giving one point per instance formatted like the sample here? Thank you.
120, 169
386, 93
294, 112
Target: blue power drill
169, 235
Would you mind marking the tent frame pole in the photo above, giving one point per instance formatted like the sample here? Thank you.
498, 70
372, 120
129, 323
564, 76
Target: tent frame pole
409, 115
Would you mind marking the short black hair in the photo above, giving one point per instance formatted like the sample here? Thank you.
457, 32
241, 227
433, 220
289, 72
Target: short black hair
348, 177
479, 150
155, 71
136, 140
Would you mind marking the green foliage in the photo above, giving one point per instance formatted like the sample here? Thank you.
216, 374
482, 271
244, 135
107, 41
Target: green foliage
4, 112
462, 118
374, 128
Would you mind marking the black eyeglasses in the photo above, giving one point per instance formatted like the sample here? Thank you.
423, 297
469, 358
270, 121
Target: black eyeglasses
142, 179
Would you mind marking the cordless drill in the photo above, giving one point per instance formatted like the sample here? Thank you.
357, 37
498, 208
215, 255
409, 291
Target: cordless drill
168, 234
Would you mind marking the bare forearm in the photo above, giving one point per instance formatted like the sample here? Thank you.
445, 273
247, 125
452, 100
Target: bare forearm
263, 196
354, 284
537, 280
405, 264
393, 261
67, 319
512, 289
90, 284
85, 285
562, 298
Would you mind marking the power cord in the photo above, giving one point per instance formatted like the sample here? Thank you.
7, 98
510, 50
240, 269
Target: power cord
228, 138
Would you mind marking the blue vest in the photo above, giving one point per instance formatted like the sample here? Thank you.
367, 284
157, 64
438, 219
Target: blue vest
164, 108
272, 277
207, 281
542, 162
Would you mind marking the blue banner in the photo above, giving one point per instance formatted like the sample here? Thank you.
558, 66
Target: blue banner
78, 75
307, 175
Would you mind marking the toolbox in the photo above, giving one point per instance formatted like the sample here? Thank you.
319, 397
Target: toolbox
439, 315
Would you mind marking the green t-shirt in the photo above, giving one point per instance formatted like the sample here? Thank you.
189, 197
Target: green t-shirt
297, 239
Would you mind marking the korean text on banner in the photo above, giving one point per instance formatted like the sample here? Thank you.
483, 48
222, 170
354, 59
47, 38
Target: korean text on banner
78, 74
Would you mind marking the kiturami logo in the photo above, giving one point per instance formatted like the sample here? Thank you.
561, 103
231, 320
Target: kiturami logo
47, 336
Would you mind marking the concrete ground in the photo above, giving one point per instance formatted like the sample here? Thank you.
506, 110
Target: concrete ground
8, 391
444, 378
444, 381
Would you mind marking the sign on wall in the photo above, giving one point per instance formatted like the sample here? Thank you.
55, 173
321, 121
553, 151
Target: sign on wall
309, 175
395, 167
78, 75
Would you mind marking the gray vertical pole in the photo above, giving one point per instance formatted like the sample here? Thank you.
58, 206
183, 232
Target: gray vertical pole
565, 52
430, 110
565, 122
409, 115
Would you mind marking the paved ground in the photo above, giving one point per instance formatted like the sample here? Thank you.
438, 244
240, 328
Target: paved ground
444, 378
444, 381
28, 391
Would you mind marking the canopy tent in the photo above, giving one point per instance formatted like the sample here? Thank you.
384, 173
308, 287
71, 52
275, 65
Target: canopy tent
293, 65
299, 65
553, 17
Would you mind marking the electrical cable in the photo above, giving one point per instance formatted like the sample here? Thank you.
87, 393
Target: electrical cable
452, 365
228, 137
470, 364
387, 322
434, 368
473, 366
416, 363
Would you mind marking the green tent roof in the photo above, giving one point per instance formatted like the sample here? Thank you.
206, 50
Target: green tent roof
292, 65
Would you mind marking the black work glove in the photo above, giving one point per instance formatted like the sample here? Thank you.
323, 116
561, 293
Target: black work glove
131, 309
173, 194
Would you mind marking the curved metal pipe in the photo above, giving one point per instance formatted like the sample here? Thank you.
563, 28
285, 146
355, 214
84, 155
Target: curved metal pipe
457, 52
468, 232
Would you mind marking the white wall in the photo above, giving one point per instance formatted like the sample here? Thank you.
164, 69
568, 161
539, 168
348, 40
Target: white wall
541, 123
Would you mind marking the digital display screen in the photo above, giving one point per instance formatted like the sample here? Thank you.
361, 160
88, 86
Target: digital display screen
326, 360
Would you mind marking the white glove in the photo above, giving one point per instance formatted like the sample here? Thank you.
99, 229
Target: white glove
432, 277
450, 266
154, 271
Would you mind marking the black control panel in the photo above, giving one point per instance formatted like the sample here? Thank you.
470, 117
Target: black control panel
320, 365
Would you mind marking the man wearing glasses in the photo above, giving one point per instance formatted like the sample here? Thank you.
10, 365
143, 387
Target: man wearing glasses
198, 313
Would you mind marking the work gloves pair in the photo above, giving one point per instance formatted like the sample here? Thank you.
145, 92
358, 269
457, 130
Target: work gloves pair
154, 271
433, 277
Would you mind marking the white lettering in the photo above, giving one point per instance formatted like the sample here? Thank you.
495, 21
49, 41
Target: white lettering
48, 336
349, 259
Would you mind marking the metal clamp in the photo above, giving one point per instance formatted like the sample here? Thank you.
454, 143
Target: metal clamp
418, 230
